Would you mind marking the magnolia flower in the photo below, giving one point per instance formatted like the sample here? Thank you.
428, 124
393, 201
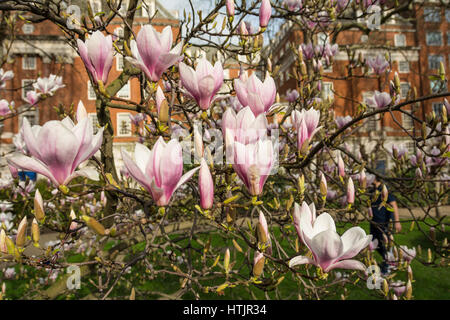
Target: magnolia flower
379, 100
373, 244
5, 206
378, 64
307, 50
58, 148
158, 170
329, 250
350, 191
292, 95
243, 29
97, 54
48, 85
151, 51
408, 254
257, 95
205, 186
5, 107
265, 11
253, 163
32, 97
243, 127
293, 5
137, 118
230, 8
342, 121
204, 82
306, 123
5, 76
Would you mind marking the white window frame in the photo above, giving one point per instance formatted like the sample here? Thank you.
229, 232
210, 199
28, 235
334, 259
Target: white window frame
331, 86
96, 6
32, 112
398, 42
322, 39
89, 88
406, 70
437, 107
431, 14
119, 62
431, 44
24, 89
402, 96
29, 66
407, 122
28, 28
373, 121
438, 63
123, 116
120, 93
94, 121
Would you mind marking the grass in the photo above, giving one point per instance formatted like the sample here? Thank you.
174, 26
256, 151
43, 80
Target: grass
430, 282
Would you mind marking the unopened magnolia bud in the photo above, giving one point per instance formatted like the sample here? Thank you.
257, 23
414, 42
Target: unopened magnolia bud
133, 294
94, 225
21, 233
408, 294
363, 179
35, 232
410, 273
38, 206
301, 184
411, 228
384, 193
73, 224
442, 70
385, 287
445, 243
323, 186
303, 69
430, 256
163, 114
433, 234
258, 264
269, 65
226, 261
419, 250
424, 130
261, 229
3, 246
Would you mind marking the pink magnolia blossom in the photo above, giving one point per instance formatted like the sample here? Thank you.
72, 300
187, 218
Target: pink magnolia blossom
265, 11
48, 86
293, 5
373, 245
58, 148
32, 97
341, 167
378, 64
292, 95
5, 76
158, 170
5, 108
244, 127
379, 100
230, 8
350, 191
205, 186
203, 83
253, 163
342, 121
306, 123
152, 51
97, 54
408, 253
307, 50
252, 92
160, 97
328, 248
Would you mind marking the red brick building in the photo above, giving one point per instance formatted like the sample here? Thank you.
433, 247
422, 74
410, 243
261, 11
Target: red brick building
415, 41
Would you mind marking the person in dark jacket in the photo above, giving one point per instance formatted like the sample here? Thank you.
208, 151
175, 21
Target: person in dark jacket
383, 209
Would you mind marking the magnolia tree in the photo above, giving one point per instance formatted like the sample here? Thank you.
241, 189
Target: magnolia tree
227, 190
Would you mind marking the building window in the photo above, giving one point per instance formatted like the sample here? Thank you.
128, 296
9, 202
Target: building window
447, 15
29, 62
436, 86
31, 115
27, 85
322, 39
407, 121
448, 38
123, 125
403, 66
404, 90
434, 61
91, 92
119, 62
28, 28
119, 32
124, 92
94, 121
371, 122
437, 107
327, 90
123, 7
410, 146
434, 38
96, 6
400, 40
432, 14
